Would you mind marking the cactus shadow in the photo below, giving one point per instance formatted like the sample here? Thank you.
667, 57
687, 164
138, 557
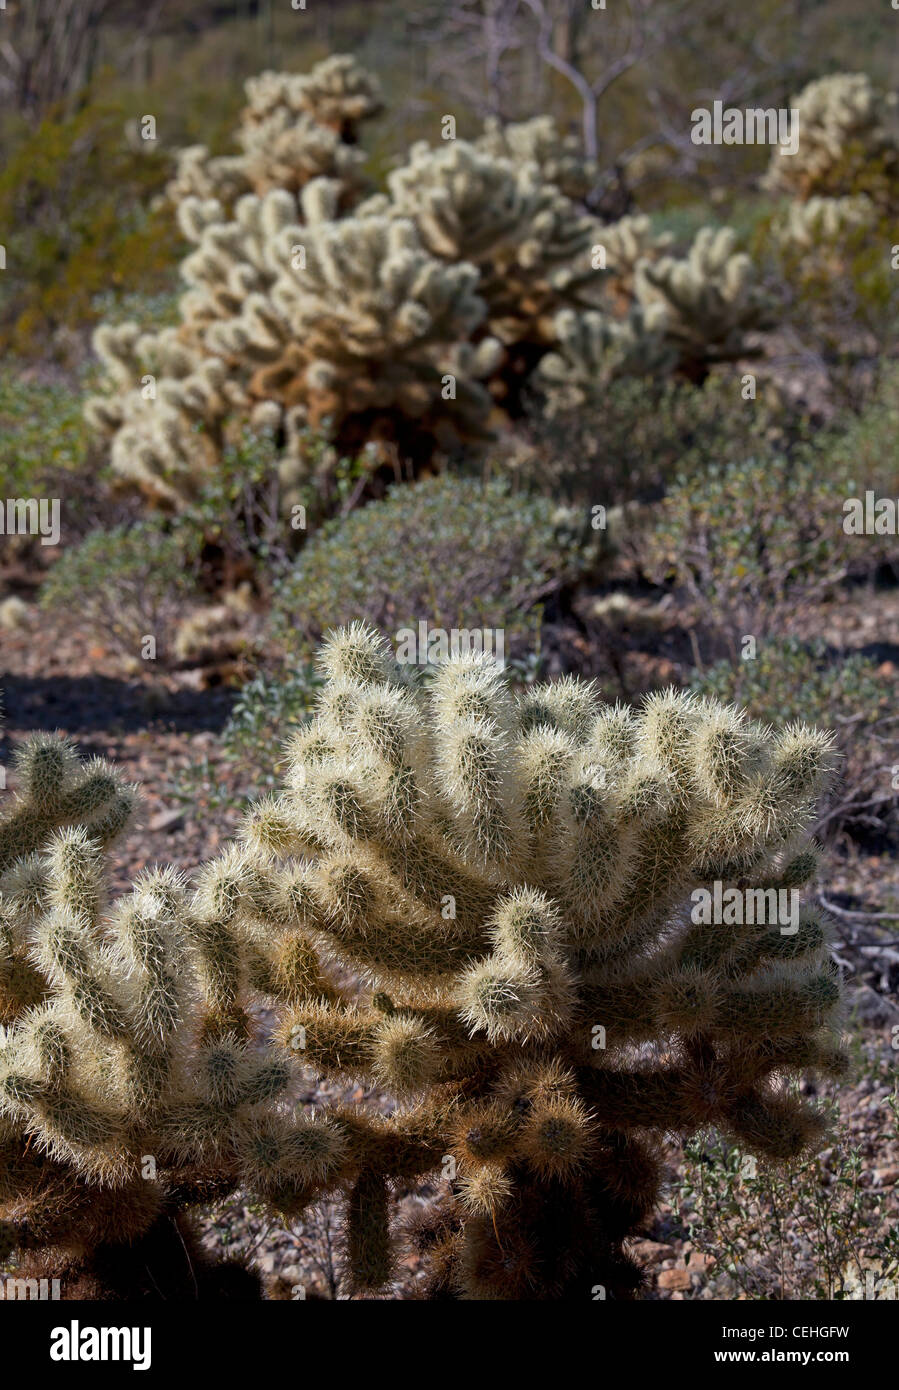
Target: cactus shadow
93, 704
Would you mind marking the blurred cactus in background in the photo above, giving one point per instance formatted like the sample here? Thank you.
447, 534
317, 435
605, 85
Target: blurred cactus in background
412, 320
848, 143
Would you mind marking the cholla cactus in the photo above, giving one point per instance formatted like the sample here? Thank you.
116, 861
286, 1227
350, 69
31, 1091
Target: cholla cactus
823, 223
629, 243
382, 324
129, 1088
296, 317
293, 129
538, 141
530, 244
407, 321
511, 878
847, 143
166, 417
338, 92
711, 299
594, 348
684, 314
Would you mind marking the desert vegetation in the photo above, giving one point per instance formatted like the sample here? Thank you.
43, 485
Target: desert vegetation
448, 592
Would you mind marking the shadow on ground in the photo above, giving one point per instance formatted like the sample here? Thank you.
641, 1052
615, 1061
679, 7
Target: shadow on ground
85, 704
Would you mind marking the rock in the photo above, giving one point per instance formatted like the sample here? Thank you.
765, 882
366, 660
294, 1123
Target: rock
167, 820
886, 1177
674, 1279
699, 1263
871, 1007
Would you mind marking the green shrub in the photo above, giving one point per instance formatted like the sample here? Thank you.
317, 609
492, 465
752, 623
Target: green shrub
128, 583
814, 1232
454, 551
73, 199
746, 539
630, 440
42, 434
251, 741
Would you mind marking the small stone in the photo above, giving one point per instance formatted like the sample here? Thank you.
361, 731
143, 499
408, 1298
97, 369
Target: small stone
674, 1279
167, 820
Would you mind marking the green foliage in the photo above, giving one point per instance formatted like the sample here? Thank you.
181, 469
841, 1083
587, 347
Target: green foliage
43, 436
453, 551
251, 740
638, 434
820, 1231
127, 583
744, 539
73, 198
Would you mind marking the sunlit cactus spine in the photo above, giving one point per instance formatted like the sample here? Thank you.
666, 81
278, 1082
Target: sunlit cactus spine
123, 1098
513, 880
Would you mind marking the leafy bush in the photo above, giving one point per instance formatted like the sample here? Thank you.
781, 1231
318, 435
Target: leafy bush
42, 431
250, 745
73, 197
814, 1232
748, 537
791, 680
632, 438
454, 551
128, 583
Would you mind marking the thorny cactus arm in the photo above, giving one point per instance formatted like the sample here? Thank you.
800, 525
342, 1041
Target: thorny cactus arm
711, 299
124, 1044
508, 877
293, 129
511, 879
530, 243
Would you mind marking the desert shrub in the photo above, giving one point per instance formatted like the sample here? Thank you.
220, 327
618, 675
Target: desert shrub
631, 439
46, 452
790, 680
73, 206
820, 1231
128, 583
745, 540
861, 445
452, 551
251, 514
742, 538
509, 875
42, 433
250, 745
